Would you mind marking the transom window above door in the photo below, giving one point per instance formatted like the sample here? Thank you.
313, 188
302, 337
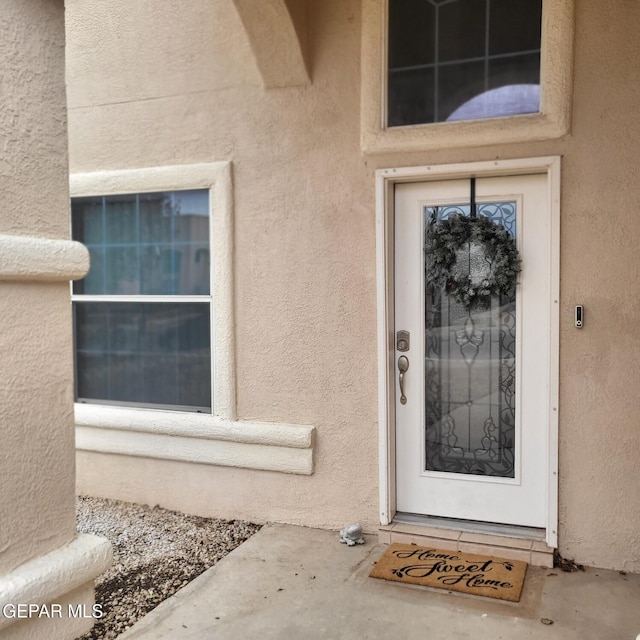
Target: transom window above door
451, 60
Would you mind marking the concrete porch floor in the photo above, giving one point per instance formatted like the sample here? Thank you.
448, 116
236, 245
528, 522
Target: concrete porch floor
292, 582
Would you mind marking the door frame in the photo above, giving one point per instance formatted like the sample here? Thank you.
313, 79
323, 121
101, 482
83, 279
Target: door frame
386, 179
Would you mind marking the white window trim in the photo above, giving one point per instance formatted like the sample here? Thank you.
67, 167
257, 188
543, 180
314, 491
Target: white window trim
556, 69
218, 438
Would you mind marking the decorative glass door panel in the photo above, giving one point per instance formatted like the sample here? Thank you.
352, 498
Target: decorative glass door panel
472, 382
470, 364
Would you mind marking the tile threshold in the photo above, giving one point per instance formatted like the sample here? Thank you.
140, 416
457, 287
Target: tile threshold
471, 526
514, 543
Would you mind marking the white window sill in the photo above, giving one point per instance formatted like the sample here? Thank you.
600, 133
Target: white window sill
194, 437
465, 133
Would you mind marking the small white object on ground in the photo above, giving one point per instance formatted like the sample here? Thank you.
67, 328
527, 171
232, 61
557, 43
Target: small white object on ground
352, 535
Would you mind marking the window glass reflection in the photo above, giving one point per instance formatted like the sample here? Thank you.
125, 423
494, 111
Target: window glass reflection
144, 353
147, 244
446, 58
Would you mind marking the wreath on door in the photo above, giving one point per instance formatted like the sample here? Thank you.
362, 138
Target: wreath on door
455, 245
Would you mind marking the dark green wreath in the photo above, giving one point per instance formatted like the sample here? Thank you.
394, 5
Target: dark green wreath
445, 239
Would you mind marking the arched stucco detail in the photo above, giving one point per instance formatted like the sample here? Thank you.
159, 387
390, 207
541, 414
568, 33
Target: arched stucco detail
277, 31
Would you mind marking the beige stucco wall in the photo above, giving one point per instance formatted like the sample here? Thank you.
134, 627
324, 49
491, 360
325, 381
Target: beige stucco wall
37, 511
33, 119
143, 91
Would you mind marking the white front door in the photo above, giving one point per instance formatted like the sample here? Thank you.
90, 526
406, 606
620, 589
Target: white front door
472, 439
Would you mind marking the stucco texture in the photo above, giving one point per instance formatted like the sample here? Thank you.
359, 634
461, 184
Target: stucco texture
305, 279
36, 427
33, 162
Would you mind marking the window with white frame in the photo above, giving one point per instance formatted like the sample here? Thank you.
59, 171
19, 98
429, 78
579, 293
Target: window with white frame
154, 323
143, 313
464, 73
462, 60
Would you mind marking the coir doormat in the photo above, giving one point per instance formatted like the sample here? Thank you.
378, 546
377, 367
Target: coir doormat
452, 570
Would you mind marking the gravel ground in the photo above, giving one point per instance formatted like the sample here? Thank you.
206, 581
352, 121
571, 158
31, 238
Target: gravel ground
156, 552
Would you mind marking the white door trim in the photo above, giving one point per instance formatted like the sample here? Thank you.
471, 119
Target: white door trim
386, 179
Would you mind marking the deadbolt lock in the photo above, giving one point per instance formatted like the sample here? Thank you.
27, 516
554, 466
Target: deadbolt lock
403, 340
